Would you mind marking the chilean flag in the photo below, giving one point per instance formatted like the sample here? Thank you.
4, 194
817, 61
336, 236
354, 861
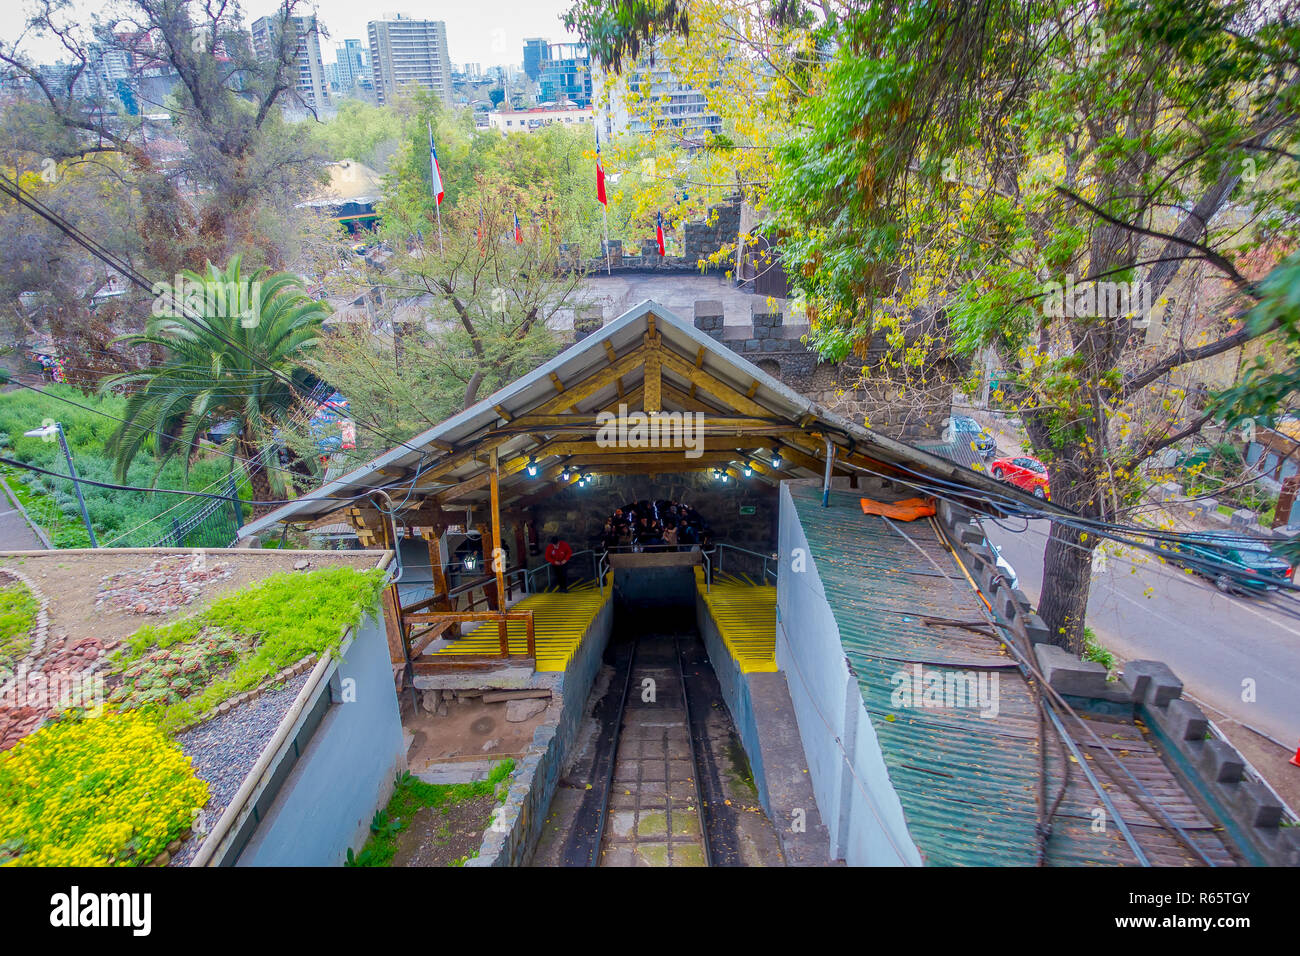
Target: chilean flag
600, 174
659, 231
435, 170
519, 233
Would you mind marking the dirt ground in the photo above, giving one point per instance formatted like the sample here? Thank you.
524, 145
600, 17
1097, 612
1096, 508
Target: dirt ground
70, 581
439, 836
471, 730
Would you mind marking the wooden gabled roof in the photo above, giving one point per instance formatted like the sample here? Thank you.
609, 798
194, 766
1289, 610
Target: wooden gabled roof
648, 360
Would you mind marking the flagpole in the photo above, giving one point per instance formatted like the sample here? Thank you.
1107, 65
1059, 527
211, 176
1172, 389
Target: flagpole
604, 206
433, 182
604, 212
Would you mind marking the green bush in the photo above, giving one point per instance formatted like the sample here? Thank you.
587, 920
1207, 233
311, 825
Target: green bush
52, 502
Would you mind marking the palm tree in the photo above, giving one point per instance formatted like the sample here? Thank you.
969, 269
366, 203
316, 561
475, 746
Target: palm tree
234, 352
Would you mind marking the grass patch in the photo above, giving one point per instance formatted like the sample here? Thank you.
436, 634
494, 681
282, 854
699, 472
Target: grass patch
413, 795
1093, 651
284, 617
18, 608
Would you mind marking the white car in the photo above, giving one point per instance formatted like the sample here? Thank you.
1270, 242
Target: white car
1005, 567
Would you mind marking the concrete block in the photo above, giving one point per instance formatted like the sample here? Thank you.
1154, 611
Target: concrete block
1169, 491
969, 536
1066, 674
1257, 805
1243, 518
1187, 721
1035, 630
1007, 605
1221, 762
1153, 682
708, 314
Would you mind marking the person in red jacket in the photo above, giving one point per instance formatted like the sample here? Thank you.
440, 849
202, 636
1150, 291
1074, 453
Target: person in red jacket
558, 554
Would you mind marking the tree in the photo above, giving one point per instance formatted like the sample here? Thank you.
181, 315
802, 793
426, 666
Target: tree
1011, 165
463, 316
221, 177
234, 347
750, 63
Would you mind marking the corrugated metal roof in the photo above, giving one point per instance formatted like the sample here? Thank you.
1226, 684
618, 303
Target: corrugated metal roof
967, 783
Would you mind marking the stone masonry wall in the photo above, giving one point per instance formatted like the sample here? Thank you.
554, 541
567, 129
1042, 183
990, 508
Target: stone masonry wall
578, 514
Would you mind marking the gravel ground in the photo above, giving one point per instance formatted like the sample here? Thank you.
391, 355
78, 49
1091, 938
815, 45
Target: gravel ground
225, 748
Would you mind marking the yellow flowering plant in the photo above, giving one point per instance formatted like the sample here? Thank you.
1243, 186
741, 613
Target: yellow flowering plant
111, 790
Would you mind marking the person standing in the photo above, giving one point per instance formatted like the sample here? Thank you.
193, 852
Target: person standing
558, 554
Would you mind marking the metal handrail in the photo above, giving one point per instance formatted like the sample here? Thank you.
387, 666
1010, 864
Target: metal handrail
720, 545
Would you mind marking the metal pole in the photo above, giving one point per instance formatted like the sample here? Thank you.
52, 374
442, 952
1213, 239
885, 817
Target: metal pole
604, 212
826, 481
434, 177
76, 485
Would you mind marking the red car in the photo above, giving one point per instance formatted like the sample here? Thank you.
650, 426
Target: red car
1027, 474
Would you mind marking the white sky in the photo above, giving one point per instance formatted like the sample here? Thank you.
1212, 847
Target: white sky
490, 32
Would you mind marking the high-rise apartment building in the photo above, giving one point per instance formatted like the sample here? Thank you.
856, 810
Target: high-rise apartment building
534, 56
310, 88
664, 102
406, 52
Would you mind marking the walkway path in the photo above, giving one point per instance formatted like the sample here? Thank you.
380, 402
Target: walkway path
15, 533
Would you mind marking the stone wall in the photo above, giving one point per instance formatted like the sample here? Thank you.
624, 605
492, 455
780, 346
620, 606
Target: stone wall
513, 835
701, 238
578, 514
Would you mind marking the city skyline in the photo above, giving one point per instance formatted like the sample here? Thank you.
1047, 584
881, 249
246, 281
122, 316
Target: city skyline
491, 34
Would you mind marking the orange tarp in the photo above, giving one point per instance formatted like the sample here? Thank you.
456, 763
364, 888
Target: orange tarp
909, 509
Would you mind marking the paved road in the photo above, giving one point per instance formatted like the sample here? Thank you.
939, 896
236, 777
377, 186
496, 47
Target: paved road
15, 533
1213, 641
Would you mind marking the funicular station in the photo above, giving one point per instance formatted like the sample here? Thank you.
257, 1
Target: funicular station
830, 626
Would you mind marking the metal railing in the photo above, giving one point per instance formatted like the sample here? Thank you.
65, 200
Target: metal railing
722, 547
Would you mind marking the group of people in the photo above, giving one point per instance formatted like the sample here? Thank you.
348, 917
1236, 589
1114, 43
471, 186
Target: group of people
655, 526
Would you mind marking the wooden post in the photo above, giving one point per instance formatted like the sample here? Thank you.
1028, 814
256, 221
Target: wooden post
498, 557
432, 536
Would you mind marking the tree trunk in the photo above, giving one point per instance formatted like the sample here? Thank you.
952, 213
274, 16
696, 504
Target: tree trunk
1067, 577
260, 481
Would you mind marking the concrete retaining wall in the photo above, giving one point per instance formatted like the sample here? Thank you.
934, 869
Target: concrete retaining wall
333, 775
735, 691
518, 823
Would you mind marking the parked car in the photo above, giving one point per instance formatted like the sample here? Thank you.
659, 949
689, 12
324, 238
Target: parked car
1235, 563
1026, 473
966, 430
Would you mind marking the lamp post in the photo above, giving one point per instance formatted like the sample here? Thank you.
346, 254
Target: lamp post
57, 429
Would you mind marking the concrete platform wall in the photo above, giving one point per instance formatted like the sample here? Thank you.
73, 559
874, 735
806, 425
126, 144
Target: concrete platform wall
518, 824
849, 777
338, 774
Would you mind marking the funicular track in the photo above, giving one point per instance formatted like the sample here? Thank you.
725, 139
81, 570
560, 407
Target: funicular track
646, 807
